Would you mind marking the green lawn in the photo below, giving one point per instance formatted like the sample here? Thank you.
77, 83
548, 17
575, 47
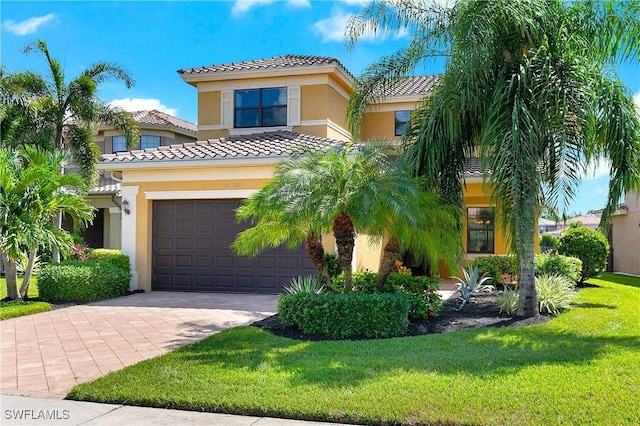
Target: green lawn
18, 309
581, 368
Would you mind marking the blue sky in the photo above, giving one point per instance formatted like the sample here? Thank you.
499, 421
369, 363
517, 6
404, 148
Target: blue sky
152, 40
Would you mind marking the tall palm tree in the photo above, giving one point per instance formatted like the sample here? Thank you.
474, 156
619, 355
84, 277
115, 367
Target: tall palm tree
61, 115
32, 193
528, 85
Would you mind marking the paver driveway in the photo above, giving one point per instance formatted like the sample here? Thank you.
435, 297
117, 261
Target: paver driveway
46, 354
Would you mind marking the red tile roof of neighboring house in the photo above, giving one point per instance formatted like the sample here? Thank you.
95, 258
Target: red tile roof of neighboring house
259, 145
158, 118
276, 62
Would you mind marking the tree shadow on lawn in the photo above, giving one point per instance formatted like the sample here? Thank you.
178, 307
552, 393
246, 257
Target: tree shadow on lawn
477, 352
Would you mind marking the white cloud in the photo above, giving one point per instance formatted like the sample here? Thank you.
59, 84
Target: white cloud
596, 170
241, 7
139, 104
28, 26
333, 28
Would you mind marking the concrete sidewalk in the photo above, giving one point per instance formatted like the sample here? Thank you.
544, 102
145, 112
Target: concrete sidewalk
20, 410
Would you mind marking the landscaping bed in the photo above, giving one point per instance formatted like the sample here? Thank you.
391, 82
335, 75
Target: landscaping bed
480, 311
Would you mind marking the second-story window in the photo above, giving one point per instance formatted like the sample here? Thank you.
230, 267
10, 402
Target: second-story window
261, 107
402, 117
118, 144
149, 141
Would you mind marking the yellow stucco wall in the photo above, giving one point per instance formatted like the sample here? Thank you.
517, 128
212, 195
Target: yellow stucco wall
378, 126
209, 108
626, 237
212, 134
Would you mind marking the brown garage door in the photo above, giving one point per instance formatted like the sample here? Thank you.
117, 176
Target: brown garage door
191, 251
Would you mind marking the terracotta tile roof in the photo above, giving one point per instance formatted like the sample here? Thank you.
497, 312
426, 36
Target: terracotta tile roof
411, 86
106, 185
259, 145
158, 118
276, 62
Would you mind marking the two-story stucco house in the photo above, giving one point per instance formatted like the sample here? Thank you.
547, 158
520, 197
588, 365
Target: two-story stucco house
181, 198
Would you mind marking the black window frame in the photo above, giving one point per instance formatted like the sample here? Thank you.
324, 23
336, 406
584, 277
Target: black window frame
488, 228
260, 107
397, 122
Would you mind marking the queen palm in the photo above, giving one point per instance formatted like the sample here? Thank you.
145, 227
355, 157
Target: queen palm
32, 193
528, 86
342, 190
55, 114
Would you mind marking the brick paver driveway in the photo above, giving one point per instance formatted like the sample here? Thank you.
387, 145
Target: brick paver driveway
46, 354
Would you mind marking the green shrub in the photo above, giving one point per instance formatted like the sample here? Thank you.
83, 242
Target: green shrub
306, 284
548, 241
554, 293
487, 268
556, 264
362, 281
333, 266
508, 301
343, 316
114, 257
590, 246
78, 281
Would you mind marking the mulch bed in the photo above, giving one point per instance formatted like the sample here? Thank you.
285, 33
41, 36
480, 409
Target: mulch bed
480, 311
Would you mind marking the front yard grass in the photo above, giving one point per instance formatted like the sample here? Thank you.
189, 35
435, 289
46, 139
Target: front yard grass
583, 367
18, 309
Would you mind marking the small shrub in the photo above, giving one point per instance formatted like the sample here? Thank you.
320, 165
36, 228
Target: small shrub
343, 316
362, 281
590, 246
333, 266
78, 281
548, 241
473, 282
554, 293
487, 268
115, 257
508, 301
306, 285
555, 264
399, 268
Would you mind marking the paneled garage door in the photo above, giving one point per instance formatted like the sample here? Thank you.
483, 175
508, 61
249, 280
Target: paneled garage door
191, 251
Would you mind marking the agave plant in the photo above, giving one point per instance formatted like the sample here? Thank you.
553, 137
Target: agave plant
473, 282
304, 285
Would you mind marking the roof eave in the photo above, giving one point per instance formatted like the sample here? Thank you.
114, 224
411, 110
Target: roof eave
182, 163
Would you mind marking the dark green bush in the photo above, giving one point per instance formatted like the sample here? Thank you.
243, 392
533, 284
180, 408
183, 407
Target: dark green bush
343, 316
78, 281
115, 257
556, 264
548, 241
421, 291
496, 267
333, 266
590, 246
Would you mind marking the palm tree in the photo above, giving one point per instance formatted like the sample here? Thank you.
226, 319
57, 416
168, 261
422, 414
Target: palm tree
342, 190
32, 193
528, 86
61, 114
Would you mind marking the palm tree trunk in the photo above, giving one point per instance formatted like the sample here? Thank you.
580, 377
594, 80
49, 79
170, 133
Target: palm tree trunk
528, 306
315, 250
390, 254
57, 220
344, 232
11, 275
28, 272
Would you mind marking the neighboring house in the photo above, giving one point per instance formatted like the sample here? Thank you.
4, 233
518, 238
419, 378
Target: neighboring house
156, 129
625, 236
547, 225
182, 198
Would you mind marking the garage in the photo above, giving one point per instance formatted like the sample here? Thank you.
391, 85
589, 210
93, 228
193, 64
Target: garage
190, 251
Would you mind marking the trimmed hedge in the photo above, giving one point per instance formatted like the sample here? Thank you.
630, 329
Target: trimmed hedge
343, 316
590, 246
496, 267
115, 257
82, 281
557, 264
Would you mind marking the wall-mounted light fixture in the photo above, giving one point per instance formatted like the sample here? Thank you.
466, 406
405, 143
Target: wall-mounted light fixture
125, 207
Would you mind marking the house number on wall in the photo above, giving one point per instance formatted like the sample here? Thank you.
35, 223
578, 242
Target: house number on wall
231, 185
